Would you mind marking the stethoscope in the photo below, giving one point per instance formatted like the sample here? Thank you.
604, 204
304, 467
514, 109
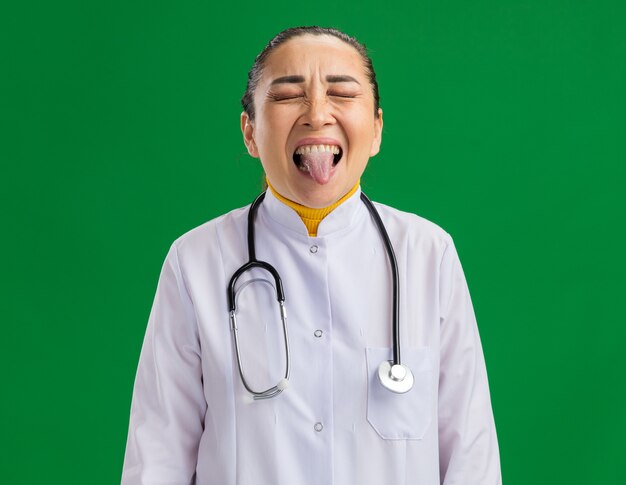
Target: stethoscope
392, 374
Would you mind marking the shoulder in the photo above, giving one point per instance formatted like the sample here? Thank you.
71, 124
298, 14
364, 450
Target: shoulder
416, 229
209, 234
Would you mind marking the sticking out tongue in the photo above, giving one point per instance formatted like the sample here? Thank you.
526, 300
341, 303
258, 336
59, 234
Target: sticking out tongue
318, 164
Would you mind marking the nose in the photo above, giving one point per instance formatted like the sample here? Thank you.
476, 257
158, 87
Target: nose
318, 113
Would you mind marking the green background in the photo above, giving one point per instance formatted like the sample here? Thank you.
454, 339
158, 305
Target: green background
505, 123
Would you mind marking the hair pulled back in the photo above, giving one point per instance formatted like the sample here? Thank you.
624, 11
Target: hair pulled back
254, 75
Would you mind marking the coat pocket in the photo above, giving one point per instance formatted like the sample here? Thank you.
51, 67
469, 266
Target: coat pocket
400, 416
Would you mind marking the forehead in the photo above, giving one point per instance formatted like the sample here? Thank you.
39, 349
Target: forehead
307, 54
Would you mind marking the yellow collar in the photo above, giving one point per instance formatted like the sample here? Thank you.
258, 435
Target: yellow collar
312, 217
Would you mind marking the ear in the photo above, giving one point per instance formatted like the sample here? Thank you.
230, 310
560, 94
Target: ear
247, 130
378, 133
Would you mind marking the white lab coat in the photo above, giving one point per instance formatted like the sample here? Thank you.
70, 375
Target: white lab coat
192, 420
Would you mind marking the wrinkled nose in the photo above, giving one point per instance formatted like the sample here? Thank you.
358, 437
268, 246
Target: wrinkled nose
318, 113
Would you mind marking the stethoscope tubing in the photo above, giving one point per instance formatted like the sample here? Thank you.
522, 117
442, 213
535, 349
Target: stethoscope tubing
253, 262
387, 370
393, 262
280, 297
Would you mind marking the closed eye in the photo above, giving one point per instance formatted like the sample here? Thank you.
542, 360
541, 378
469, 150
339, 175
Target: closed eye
338, 95
284, 97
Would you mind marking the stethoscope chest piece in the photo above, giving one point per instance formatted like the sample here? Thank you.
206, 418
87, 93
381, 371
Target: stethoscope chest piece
397, 378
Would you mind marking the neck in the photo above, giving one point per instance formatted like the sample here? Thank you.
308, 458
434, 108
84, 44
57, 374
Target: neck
312, 217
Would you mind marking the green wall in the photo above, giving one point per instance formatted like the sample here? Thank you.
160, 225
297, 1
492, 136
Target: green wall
505, 123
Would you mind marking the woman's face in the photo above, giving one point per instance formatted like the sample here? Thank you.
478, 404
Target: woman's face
313, 91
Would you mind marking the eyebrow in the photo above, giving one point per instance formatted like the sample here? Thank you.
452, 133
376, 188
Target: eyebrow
300, 79
288, 80
341, 79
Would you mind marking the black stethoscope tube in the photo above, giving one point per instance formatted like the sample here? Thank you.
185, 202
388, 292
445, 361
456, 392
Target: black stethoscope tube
253, 262
395, 277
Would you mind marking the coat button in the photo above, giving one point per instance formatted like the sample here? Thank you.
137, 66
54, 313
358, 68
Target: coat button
318, 427
318, 333
313, 249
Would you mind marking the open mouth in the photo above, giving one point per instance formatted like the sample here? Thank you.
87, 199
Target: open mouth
317, 150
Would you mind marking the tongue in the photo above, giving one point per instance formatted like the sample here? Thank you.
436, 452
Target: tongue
319, 165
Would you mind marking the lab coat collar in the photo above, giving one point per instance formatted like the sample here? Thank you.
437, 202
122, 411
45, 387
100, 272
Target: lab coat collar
338, 220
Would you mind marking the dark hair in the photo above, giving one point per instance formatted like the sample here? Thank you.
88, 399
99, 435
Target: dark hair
247, 101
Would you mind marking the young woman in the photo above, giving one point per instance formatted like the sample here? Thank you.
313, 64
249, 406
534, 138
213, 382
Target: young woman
312, 338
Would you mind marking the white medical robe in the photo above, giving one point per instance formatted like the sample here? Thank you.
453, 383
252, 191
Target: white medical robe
191, 419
